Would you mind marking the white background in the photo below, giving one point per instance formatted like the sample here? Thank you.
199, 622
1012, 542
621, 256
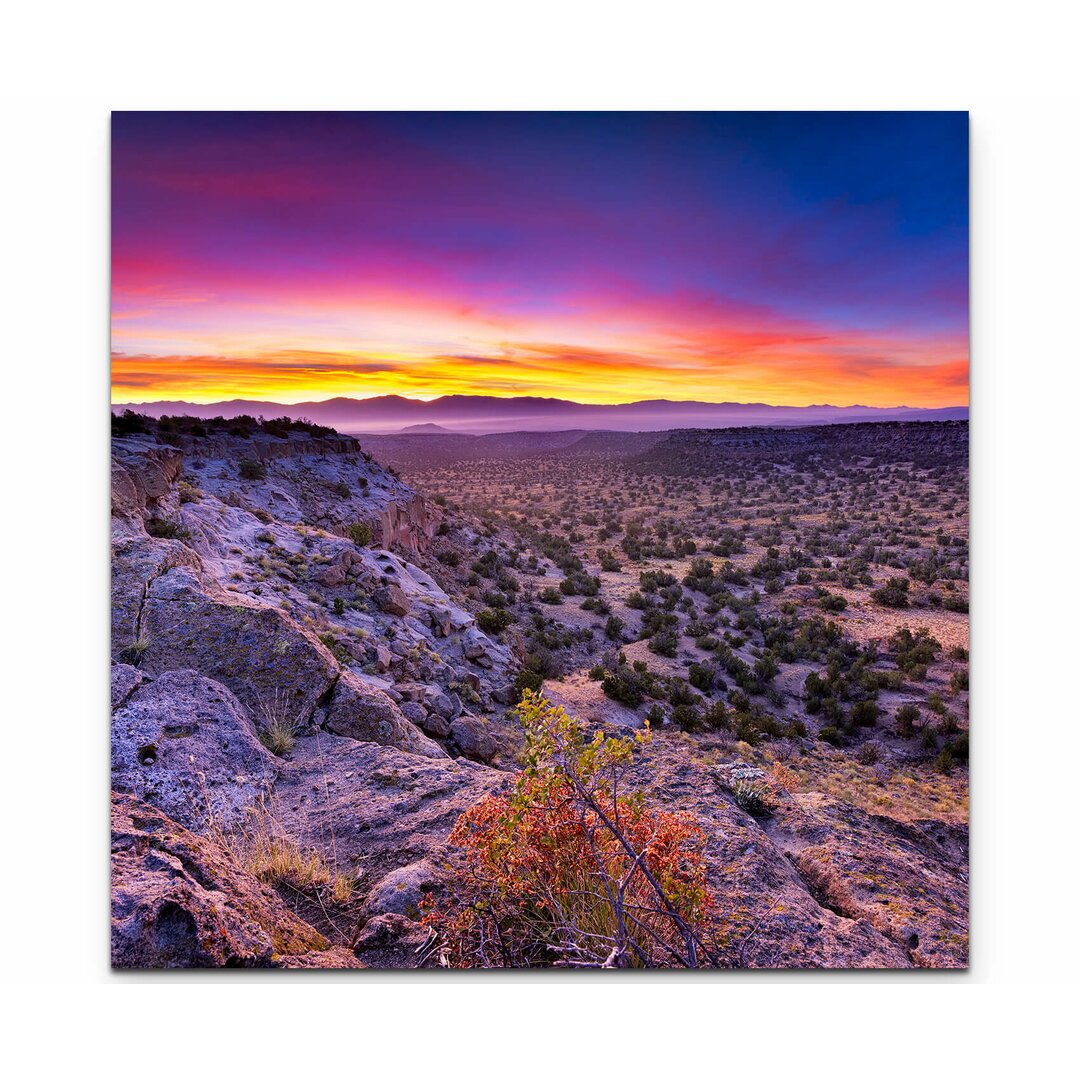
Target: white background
65, 66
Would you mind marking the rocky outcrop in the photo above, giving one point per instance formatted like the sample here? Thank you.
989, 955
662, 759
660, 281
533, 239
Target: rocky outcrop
325, 481
183, 743
766, 914
257, 651
181, 900
235, 613
297, 444
907, 881
410, 524
385, 808
360, 711
143, 474
137, 561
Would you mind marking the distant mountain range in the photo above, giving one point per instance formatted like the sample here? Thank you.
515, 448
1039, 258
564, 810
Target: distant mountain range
474, 414
425, 429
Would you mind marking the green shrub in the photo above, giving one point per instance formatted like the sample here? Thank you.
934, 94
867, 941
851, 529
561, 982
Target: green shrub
665, 643
623, 686
907, 716
864, 713
164, 529
251, 469
687, 717
701, 677
944, 761
360, 533
494, 620
894, 593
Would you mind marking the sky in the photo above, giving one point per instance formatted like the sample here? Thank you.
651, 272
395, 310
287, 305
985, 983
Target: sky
787, 258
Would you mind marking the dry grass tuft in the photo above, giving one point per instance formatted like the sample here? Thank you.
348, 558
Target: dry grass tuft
280, 723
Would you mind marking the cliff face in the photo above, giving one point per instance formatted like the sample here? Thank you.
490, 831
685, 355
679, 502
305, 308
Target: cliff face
324, 481
409, 525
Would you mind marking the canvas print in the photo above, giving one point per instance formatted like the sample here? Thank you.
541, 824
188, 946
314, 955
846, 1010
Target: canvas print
539, 540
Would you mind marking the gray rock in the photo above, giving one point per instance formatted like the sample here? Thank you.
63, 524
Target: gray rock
362, 712
257, 651
504, 694
435, 725
473, 644
125, 681
400, 892
447, 706
440, 621
414, 712
333, 576
474, 738
180, 900
392, 600
185, 744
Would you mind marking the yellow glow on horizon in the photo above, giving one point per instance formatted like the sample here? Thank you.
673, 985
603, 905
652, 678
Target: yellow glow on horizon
290, 378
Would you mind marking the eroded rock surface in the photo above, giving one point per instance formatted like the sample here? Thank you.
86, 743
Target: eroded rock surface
180, 900
183, 743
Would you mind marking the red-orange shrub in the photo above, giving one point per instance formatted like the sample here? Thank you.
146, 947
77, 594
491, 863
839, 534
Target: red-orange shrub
569, 869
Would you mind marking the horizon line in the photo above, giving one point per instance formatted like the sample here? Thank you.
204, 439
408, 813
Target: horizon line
529, 397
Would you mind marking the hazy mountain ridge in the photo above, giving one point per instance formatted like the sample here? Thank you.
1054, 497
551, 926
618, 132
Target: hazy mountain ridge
477, 414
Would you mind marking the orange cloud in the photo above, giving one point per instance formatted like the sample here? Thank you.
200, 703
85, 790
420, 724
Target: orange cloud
779, 370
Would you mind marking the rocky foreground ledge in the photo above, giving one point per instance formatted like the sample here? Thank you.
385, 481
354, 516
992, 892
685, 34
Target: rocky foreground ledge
287, 681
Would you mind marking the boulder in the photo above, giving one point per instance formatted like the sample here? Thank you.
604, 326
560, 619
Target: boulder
435, 726
125, 680
392, 600
400, 892
413, 711
333, 576
180, 900
474, 644
184, 744
474, 737
441, 621
256, 650
505, 694
446, 705
363, 712
391, 941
